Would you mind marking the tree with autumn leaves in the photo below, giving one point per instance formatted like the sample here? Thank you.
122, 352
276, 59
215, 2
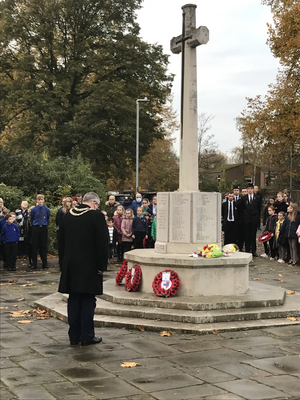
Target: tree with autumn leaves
70, 74
272, 123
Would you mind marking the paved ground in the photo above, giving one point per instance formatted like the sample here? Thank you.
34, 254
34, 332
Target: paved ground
38, 363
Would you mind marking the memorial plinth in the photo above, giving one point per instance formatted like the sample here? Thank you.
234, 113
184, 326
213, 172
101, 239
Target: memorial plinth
224, 276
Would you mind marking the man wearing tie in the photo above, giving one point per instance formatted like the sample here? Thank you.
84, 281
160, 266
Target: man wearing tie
230, 220
249, 208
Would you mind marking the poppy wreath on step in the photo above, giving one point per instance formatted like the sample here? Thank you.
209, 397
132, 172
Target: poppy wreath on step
133, 278
121, 273
166, 288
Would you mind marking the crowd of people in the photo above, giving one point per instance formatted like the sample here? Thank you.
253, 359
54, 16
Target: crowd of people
241, 218
131, 224
24, 233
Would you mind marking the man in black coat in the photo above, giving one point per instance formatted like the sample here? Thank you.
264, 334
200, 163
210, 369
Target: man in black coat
230, 220
250, 211
84, 249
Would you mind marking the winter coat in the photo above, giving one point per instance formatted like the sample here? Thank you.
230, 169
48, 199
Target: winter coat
280, 206
117, 223
84, 247
288, 228
271, 224
139, 225
153, 229
111, 208
126, 228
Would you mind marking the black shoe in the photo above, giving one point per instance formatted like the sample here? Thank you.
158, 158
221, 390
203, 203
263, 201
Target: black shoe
74, 343
255, 255
45, 267
95, 340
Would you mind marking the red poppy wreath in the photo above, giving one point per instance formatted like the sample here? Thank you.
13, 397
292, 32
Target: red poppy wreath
133, 278
166, 283
121, 273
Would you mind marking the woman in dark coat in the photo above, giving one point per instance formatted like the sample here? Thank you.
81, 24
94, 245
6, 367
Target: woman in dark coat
84, 249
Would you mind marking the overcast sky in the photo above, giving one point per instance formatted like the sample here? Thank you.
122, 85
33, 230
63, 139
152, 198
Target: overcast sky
236, 62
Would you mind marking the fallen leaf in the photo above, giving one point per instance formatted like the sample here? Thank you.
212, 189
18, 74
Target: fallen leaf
22, 299
29, 284
280, 275
12, 281
3, 308
165, 333
24, 321
141, 328
290, 292
282, 281
48, 272
292, 319
20, 313
36, 272
257, 279
16, 305
214, 332
130, 364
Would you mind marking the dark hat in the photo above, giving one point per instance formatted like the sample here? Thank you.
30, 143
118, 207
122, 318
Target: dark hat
126, 198
235, 187
250, 185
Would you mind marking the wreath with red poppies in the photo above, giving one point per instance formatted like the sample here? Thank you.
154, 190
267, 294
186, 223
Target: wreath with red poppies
121, 273
168, 288
133, 278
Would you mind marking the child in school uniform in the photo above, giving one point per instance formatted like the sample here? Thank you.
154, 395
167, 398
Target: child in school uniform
10, 236
139, 229
112, 238
270, 227
279, 241
126, 228
118, 218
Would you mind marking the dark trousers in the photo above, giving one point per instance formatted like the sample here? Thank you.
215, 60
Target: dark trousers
2, 249
120, 251
111, 250
138, 241
250, 237
22, 248
230, 232
241, 236
11, 250
126, 246
59, 248
81, 308
39, 241
269, 248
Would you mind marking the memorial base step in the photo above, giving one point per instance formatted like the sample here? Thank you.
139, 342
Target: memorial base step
56, 305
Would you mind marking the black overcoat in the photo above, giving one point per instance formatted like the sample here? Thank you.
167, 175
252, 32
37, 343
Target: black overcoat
84, 250
250, 211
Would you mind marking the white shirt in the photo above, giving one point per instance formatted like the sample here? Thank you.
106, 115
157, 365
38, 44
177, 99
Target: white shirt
230, 204
250, 198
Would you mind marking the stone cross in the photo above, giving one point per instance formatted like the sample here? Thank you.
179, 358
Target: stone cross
186, 44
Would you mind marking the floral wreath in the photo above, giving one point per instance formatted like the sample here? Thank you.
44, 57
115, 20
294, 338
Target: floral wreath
132, 279
171, 287
121, 273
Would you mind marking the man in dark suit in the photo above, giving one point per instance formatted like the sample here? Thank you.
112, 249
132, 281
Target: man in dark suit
249, 208
84, 249
258, 195
230, 220
236, 192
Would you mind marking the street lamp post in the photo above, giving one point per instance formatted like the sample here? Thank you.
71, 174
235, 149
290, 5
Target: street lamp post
137, 140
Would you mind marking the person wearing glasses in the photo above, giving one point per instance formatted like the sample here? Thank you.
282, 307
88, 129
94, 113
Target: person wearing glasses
84, 248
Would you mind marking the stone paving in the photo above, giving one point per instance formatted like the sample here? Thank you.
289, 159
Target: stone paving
37, 361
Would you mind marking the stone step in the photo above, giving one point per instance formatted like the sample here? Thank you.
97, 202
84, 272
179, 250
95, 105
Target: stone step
55, 305
258, 295
289, 309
